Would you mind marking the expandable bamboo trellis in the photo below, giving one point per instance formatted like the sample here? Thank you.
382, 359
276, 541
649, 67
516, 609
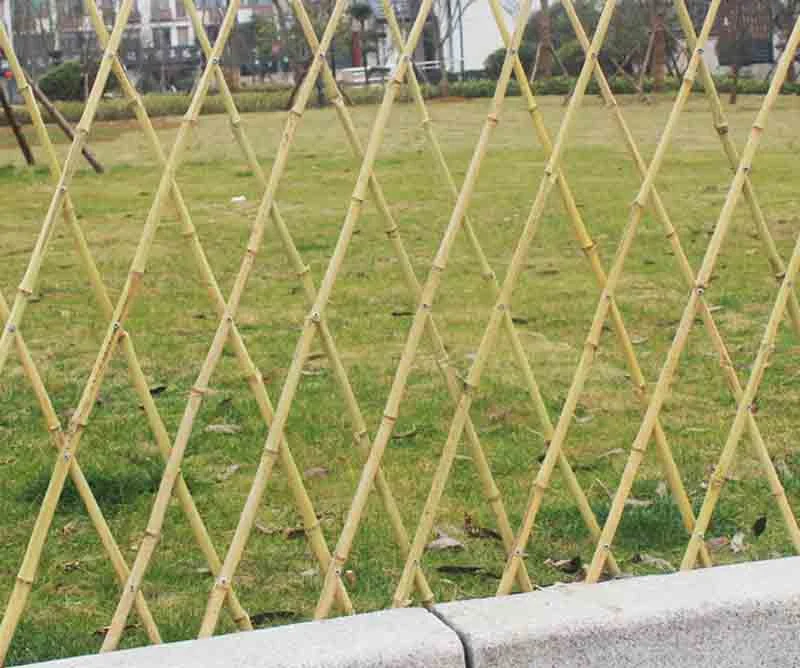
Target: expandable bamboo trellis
462, 391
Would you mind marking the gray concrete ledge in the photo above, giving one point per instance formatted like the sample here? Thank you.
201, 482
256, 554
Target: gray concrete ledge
743, 615
391, 639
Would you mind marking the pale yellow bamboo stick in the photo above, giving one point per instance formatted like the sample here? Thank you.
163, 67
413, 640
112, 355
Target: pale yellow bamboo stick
115, 331
253, 377
310, 328
76, 474
671, 233
266, 208
172, 469
732, 154
503, 302
590, 249
302, 499
53, 423
746, 401
491, 490
61, 469
491, 278
665, 454
359, 425
607, 297
687, 320
417, 329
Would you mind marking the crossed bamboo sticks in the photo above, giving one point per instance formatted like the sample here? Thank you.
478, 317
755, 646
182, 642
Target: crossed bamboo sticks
71, 441
672, 235
491, 490
251, 373
639, 445
317, 310
424, 323
417, 329
606, 299
504, 298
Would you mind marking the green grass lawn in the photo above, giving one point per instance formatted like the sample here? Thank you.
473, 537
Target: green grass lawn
173, 323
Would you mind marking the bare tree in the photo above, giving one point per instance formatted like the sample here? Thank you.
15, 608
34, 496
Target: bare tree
544, 57
658, 62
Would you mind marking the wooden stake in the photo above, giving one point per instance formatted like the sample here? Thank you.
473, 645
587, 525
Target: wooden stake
63, 123
24, 147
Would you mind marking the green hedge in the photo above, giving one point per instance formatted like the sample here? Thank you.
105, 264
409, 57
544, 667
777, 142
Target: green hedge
276, 100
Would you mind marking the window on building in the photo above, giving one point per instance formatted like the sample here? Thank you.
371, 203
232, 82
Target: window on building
160, 10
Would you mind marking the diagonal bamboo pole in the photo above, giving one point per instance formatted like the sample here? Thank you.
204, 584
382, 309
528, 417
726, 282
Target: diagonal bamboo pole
428, 294
490, 276
76, 474
303, 501
503, 303
115, 331
254, 378
664, 451
747, 398
775, 261
687, 320
303, 346
590, 250
173, 465
361, 434
491, 491
746, 406
28, 284
722, 128
607, 297
138, 378
172, 469
686, 269
51, 419
417, 329
30, 564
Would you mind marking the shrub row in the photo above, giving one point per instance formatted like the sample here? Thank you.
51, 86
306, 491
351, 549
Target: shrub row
159, 105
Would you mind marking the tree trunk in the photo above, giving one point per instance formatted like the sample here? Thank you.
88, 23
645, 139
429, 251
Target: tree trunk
363, 50
444, 84
658, 67
545, 67
735, 90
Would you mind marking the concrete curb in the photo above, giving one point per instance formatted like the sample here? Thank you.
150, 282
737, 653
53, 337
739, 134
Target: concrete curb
744, 615
410, 638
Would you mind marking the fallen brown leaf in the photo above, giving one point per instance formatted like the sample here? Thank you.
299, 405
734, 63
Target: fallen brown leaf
570, 566
474, 531
104, 631
718, 543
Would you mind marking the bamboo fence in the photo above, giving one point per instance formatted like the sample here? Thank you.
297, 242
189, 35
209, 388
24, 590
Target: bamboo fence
426, 326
